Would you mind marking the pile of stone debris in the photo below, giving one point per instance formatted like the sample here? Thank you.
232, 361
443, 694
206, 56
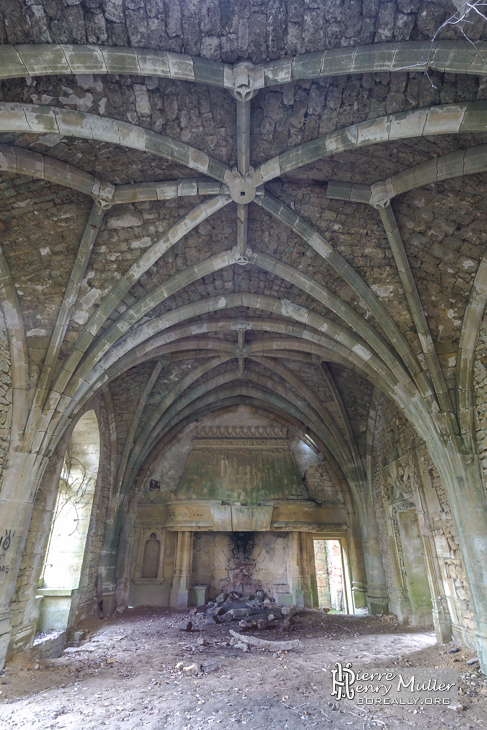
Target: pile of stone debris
255, 611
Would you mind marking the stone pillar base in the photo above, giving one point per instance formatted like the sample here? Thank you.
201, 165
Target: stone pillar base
308, 599
377, 601
55, 608
179, 599
179, 596
298, 599
284, 599
359, 595
5, 632
441, 621
201, 593
109, 602
482, 649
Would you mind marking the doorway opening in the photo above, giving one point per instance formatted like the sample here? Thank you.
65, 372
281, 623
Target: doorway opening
331, 576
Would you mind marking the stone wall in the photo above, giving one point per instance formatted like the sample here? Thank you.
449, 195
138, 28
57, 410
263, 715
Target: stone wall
321, 486
480, 387
5, 394
222, 28
396, 442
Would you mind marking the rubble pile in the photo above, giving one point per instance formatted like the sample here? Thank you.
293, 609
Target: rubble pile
255, 611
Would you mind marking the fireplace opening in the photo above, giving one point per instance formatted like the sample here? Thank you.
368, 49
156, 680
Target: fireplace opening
242, 563
330, 575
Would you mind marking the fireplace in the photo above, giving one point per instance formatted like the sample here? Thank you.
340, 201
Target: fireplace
239, 519
242, 564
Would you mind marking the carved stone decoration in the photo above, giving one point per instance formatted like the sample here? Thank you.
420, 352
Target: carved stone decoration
401, 506
251, 432
397, 478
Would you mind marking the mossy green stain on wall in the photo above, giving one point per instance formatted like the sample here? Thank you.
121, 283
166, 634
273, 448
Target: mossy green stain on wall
241, 476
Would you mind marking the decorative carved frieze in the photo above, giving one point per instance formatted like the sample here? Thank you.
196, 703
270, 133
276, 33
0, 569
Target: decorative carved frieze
246, 443
246, 432
241, 437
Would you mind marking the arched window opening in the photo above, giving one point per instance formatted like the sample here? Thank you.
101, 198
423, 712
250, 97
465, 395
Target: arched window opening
70, 523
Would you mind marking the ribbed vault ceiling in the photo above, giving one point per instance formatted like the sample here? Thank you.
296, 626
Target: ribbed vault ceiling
194, 235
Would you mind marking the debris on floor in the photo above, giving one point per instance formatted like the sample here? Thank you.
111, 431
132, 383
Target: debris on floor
138, 670
254, 611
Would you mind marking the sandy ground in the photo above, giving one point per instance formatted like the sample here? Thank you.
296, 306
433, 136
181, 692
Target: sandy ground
124, 676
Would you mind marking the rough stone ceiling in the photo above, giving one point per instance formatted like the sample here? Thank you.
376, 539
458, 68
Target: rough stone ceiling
222, 261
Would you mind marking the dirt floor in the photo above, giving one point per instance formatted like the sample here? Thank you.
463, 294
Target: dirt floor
124, 675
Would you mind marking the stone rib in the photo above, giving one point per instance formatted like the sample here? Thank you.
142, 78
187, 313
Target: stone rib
350, 276
38, 119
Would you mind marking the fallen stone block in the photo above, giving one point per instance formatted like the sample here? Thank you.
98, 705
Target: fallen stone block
185, 626
264, 644
239, 612
289, 610
246, 624
209, 666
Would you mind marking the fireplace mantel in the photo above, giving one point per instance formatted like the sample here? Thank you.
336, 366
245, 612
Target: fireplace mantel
216, 516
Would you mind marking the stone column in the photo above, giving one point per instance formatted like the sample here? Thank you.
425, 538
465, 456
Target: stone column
377, 595
440, 612
111, 556
462, 478
15, 519
307, 567
182, 570
355, 557
294, 569
16, 505
301, 567
322, 567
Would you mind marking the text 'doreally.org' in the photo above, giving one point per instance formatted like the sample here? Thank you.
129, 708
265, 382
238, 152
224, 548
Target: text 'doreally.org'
418, 687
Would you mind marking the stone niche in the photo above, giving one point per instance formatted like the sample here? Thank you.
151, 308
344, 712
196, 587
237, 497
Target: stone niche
239, 518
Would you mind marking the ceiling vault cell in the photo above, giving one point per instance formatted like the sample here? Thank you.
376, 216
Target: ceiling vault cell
27, 162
